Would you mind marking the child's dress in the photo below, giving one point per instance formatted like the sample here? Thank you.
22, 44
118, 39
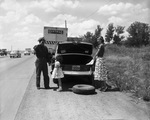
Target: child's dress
57, 71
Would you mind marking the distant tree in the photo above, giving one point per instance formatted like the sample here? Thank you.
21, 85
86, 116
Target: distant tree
88, 37
119, 29
109, 32
92, 38
97, 34
117, 37
139, 34
98, 31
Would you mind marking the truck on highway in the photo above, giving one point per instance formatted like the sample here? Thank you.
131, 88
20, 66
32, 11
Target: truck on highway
53, 36
3, 52
15, 54
27, 51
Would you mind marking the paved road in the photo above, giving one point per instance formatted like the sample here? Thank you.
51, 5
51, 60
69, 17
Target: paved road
52, 105
22, 101
15, 74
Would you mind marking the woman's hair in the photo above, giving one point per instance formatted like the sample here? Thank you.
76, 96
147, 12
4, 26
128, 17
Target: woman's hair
101, 39
59, 58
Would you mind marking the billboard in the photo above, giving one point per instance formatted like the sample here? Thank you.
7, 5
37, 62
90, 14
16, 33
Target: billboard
54, 35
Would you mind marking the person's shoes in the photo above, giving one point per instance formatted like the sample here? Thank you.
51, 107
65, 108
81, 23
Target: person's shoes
99, 89
103, 89
38, 88
47, 87
59, 89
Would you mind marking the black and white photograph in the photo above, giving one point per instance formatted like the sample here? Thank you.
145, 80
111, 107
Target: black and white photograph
74, 60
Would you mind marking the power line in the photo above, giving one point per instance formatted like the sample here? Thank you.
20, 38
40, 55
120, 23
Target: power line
92, 13
96, 10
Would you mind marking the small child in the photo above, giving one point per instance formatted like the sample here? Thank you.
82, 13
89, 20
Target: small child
57, 72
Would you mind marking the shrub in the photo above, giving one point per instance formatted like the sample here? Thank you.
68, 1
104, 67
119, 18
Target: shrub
129, 69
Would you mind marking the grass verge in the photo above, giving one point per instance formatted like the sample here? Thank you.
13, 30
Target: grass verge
129, 69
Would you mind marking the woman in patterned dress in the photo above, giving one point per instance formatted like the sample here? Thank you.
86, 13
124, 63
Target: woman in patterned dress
100, 73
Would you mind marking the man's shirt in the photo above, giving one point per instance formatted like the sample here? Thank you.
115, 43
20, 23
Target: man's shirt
41, 51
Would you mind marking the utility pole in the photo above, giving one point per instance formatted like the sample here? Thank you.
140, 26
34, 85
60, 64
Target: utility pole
65, 24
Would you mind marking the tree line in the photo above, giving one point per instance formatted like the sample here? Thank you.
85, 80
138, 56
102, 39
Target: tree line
138, 35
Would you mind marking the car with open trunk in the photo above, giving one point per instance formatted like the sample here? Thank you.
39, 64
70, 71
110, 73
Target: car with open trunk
76, 56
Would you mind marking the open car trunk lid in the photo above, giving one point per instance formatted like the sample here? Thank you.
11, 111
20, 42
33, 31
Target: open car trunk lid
75, 47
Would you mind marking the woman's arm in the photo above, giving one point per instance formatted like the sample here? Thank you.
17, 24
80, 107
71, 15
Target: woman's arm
97, 52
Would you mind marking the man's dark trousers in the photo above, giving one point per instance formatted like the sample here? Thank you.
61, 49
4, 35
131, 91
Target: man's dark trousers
41, 66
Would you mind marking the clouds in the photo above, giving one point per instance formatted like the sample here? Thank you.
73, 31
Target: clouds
30, 19
10, 5
119, 13
77, 26
44, 5
59, 20
13, 11
82, 27
22, 21
116, 20
66, 3
54, 5
120, 9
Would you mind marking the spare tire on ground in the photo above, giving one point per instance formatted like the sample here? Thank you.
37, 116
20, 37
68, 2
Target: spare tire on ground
83, 89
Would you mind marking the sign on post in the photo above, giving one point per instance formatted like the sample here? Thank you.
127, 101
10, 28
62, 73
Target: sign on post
53, 36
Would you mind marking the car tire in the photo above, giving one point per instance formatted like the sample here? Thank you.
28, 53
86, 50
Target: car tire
83, 89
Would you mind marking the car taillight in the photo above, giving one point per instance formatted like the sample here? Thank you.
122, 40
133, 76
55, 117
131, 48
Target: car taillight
85, 68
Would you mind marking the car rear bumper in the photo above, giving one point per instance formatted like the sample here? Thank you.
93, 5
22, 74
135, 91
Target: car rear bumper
77, 73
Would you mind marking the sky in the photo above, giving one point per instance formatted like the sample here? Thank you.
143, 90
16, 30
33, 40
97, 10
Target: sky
22, 21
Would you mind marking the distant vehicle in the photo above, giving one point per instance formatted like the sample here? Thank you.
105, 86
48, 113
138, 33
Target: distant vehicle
15, 54
28, 49
26, 53
76, 56
3, 52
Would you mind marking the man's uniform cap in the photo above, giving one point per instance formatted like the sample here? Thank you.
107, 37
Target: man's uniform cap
41, 39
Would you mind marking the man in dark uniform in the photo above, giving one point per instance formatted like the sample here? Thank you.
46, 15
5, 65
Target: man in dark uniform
43, 57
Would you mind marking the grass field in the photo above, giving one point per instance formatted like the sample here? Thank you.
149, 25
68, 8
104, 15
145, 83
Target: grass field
129, 69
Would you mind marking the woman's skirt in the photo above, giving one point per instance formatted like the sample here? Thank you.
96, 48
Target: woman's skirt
100, 73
